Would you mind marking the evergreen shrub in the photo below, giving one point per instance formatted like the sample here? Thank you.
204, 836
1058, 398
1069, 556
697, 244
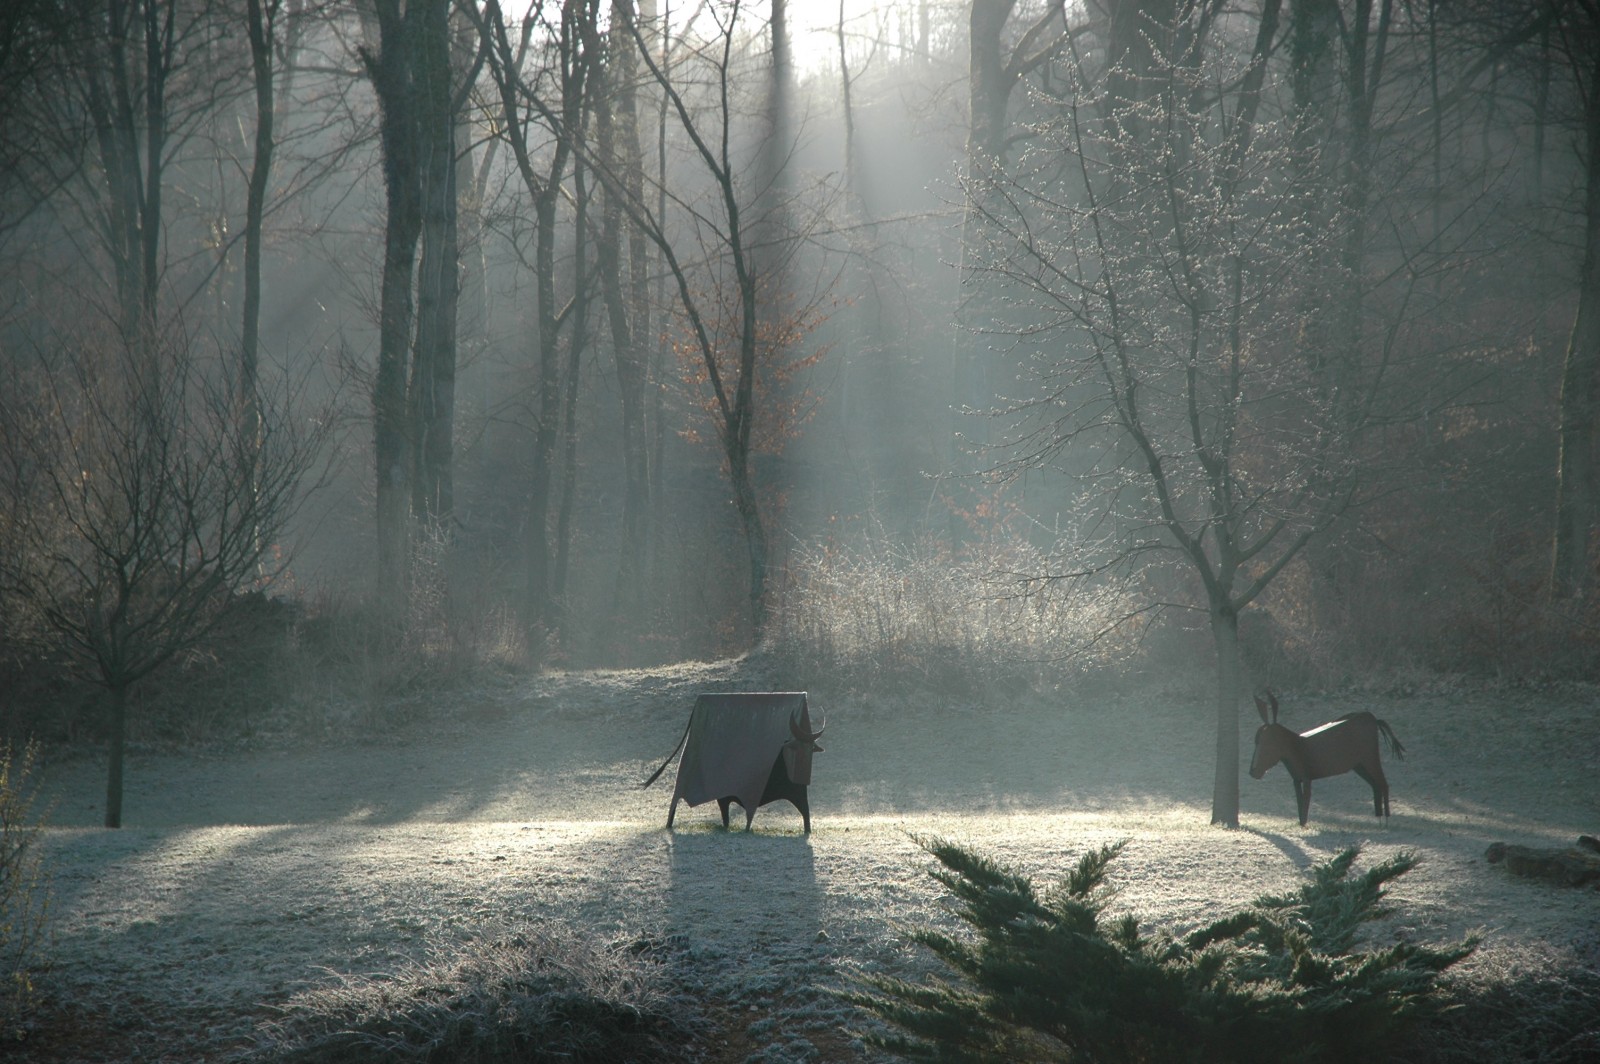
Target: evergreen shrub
1054, 976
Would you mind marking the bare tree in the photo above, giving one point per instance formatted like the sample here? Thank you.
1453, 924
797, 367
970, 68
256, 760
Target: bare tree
137, 505
730, 374
542, 95
116, 92
1156, 266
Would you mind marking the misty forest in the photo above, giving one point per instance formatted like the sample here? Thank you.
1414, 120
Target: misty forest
410, 408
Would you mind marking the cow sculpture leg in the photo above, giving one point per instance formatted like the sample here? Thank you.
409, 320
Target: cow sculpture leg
726, 804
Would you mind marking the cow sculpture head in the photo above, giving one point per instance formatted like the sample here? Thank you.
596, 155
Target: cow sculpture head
797, 750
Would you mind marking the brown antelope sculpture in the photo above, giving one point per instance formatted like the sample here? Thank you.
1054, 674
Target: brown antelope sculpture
1347, 744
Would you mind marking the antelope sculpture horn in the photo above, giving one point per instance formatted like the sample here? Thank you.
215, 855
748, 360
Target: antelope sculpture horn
800, 733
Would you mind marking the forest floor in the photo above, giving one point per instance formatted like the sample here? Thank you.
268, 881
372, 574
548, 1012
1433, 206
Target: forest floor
246, 876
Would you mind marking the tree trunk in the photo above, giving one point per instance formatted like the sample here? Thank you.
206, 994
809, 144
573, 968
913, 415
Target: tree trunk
1366, 46
1225, 782
260, 24
661, 350
579, 339
988, 92
1575, 490
544, 186
544, 438
616, 123
755, 535
119, 734
391, 73
433, 377
1139, 43
159, 16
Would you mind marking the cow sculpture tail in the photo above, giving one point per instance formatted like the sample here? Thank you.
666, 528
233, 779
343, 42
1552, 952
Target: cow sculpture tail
657, 773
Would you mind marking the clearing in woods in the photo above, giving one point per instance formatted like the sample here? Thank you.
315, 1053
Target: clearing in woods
246, 876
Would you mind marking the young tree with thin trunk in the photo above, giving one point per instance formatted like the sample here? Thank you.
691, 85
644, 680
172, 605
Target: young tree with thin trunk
1152, 249
138, 505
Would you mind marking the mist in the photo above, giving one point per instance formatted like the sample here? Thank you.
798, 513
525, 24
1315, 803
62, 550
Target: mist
927, 342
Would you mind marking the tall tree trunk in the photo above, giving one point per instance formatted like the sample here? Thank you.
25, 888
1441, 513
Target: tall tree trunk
391, 71
1576, 513
549, 410
1367, 45
261, 18
851, 178
659, 357
747, 503
544, 186
159, 17
124, 72
433, 371
578, 339
617, 129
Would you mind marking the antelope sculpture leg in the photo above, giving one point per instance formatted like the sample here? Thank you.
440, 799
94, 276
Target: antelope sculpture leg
1380, 788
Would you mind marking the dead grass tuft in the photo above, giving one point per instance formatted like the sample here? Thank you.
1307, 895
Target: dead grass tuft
536, 996
1548, 1017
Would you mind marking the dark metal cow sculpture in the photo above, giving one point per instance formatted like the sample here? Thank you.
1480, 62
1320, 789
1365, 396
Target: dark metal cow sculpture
753, 749
1347, 744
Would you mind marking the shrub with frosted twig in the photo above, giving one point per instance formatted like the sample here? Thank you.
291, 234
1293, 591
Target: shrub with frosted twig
23, 900
870, 610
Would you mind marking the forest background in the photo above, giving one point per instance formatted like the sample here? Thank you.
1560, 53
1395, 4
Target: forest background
347, 346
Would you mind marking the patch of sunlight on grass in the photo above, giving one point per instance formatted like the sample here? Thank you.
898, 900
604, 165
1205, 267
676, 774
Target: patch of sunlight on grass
1460, 815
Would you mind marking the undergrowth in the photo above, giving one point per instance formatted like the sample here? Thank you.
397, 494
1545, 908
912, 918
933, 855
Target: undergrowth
871, 613
1549, 1017
1051, 977
23, 898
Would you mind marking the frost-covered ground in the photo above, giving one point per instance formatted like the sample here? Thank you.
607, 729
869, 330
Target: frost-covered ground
242, 878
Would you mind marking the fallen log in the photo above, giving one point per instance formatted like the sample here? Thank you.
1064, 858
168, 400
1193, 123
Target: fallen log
1573, 866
